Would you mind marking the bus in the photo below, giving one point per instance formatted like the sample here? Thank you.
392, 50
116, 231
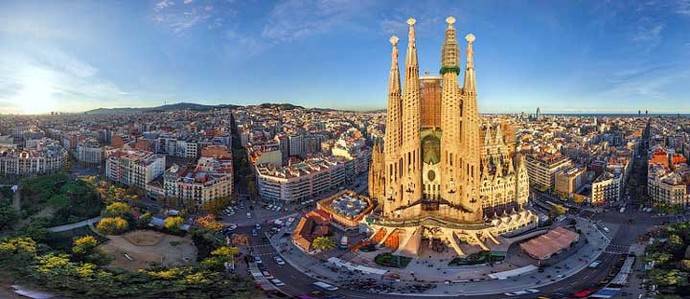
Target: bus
324, 286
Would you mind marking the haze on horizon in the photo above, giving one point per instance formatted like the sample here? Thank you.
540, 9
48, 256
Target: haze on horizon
562, 56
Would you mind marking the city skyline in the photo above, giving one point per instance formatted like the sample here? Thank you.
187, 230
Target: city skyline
562, 56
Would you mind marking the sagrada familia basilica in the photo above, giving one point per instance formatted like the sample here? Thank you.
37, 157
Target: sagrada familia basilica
441, 176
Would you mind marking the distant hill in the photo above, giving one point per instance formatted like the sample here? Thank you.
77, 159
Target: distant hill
164, 108
281, 106
203, 107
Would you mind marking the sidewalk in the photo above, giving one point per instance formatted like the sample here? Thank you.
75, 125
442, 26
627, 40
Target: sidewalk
66, 227
474, 279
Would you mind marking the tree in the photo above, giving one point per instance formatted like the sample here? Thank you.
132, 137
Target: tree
8, 214
685, 264
17, 252
676, 242
215, 206
18, 245
240, 239
251, 188
665, 277
84, 245
144, 219
117, 209
209, 222
112, 225
558, 210
36, 230
219, 257
225, 252
173, 223
323, 243
660, 257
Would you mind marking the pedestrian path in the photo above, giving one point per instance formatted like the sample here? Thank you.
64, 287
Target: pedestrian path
71, 226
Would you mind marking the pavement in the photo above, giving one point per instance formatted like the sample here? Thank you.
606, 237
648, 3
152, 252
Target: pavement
611, 235
71, 226
302, 270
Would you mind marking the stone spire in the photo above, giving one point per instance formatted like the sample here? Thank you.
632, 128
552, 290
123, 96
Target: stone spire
411, 156
470, 135
499, 135
470, 80
449, 51
393, 137
451, 117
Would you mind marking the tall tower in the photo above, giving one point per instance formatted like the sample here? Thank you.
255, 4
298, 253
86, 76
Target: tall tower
411, 143
451, 113
393, 137
470, 137
430, 169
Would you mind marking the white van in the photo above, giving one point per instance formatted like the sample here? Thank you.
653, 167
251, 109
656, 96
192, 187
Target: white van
324, 286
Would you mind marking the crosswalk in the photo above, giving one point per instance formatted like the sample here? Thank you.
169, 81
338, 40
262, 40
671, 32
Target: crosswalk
617, 249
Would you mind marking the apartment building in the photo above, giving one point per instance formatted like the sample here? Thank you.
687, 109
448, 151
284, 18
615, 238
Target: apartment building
43, 157
607, 188
569, 180
134, 168
303, 180
89, 151
542, 169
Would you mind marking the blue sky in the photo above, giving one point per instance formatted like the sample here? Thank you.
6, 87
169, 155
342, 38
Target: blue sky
564, 56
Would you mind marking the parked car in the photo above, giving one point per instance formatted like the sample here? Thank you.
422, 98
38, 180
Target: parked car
277, 282
279, 260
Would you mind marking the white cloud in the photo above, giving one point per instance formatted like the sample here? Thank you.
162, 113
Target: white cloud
398, 27
683, 7
193, 14
295, 19
647, 84
648, 33
163, 4
44, 80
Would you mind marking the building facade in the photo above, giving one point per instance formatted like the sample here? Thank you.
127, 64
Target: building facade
542, 169
569, 180
134, 168
89, 151
45, 156
607, 188
428, 177
504, 179
301, 181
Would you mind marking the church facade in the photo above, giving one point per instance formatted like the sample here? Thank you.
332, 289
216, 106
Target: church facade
434, 178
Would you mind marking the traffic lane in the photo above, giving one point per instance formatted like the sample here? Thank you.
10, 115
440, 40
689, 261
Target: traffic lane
298, 283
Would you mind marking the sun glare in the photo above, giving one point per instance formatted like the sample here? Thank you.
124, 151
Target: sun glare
36, 95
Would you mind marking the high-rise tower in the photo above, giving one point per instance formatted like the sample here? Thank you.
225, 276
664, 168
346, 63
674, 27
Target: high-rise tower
470, 135
451, 118
411, 146
393, 138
